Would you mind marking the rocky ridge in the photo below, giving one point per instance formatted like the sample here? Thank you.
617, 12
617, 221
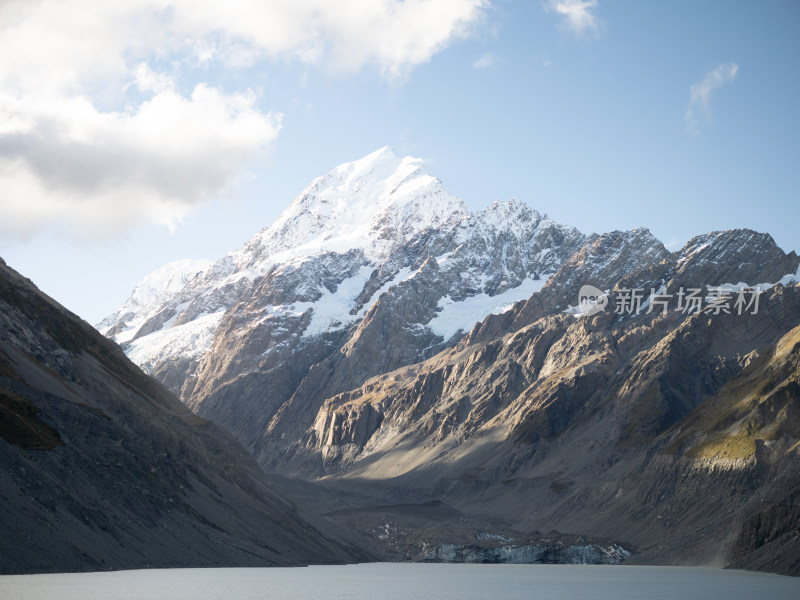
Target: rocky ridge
673, 433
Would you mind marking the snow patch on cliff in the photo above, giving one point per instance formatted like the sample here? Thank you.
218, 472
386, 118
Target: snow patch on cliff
461, 316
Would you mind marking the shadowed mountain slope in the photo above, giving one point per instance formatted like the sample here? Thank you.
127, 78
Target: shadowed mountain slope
103, 468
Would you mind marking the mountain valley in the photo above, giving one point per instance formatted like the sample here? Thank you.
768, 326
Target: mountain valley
428, 376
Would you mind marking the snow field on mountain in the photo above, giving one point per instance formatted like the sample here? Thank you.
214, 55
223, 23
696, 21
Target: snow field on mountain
462, 316
189, 340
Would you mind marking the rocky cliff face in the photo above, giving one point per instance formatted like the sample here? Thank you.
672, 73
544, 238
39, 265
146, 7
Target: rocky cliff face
384, 342
673, 433
103, 468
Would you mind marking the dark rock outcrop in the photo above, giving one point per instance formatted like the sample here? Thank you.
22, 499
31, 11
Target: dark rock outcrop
103, 468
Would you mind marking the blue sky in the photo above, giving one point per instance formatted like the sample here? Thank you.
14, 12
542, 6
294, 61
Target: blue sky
150, 131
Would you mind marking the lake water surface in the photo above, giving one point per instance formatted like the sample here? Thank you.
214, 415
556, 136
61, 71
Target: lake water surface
390, 581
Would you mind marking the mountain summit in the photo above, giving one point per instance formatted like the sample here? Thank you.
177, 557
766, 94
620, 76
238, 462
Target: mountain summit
373, 204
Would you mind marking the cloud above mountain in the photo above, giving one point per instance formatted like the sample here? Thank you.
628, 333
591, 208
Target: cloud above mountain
699, 109
578, 15
108, 119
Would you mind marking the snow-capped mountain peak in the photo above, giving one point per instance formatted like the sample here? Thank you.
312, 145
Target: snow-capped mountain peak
157, 287
166, 280
373, 204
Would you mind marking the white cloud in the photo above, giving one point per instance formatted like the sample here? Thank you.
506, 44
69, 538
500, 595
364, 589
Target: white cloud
699, 109
92, 133
578, 16
148, 80
63, 39
66, 162
486, 61
673, 244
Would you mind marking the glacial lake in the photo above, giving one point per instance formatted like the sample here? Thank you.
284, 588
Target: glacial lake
395, 581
